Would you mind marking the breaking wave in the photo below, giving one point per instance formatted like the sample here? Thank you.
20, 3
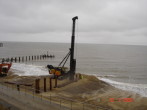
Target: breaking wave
137, 88
29, 70
32, 70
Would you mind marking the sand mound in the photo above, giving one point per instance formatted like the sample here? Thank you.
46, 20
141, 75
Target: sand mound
94, 91
86, 85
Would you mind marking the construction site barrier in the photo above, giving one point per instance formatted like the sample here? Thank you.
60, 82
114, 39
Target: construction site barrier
62, 102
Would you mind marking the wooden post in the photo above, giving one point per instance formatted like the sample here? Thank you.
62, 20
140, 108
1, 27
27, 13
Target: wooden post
29, 58
56, 77
26, 58
32, 57
8, 59
40, 57
12, 59
22, 59
37, 86
15, 59
3, 60
44, 84
47, 54
76, 75
18, 87
19, 59
50, 83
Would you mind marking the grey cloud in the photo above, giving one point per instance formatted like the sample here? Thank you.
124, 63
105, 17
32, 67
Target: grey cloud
98, 20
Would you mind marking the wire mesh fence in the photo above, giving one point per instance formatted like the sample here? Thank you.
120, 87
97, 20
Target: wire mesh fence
29, 93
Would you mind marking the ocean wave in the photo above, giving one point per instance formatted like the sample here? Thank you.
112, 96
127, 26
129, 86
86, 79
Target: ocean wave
29, 70
111, 76
32, 70
137, 88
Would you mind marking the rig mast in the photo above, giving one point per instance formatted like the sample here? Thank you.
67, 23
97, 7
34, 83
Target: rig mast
72, 60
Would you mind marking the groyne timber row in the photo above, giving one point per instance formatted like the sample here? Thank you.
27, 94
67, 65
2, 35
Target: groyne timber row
27, 58
1, 44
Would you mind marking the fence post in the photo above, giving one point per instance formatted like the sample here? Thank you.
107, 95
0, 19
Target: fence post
12, 86
60, 103
25, 90
71, 105
56, 81
50, 83
2, 87
41, 96
50, 99
18, 88
33, 94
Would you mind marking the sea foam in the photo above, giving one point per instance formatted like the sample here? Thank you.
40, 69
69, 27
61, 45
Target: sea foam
32, 70
137, 88
29, 70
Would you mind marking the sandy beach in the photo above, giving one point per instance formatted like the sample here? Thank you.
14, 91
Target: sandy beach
88, 90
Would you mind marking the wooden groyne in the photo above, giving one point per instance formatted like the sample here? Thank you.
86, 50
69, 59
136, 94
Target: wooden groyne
27, 58
1, 44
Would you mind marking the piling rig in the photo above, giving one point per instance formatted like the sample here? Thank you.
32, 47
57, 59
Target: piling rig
61, 70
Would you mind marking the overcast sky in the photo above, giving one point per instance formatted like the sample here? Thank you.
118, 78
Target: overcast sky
100, 21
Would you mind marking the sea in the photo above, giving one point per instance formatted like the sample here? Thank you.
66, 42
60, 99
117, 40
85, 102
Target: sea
122, 66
